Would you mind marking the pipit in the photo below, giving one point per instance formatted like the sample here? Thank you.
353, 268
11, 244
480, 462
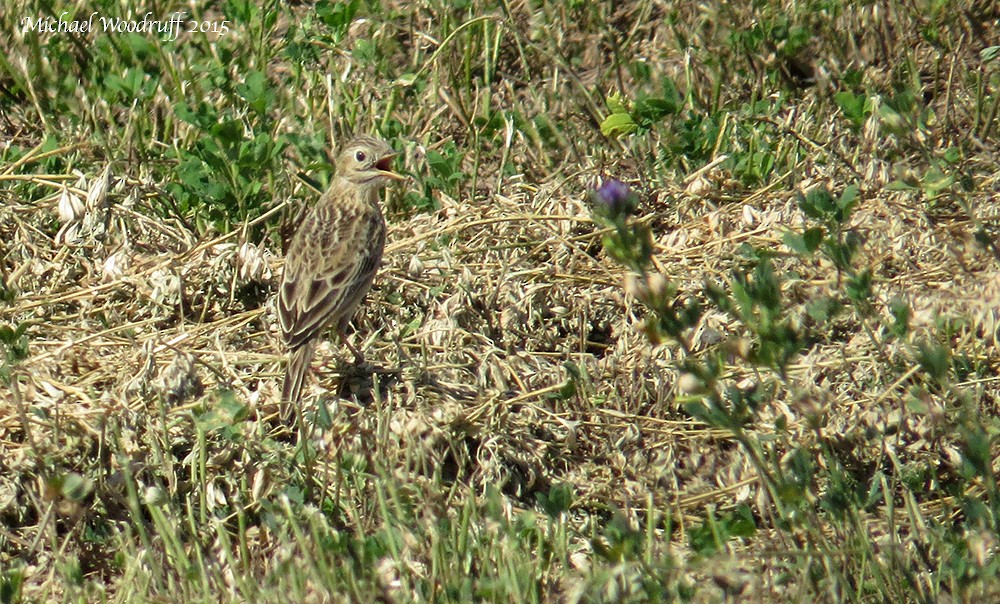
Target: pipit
333, 257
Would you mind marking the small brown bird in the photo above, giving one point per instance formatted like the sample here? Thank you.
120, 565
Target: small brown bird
333, 257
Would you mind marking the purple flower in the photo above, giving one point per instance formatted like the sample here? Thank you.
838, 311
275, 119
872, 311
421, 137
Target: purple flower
615, 198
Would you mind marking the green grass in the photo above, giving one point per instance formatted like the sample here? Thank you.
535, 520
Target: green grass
792, 398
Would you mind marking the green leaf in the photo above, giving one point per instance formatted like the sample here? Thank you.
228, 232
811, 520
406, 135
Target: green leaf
337, 15
558, 500
976, 453
900, 185
848, 199
565, 392
406, 80
617, 125
226, 412
853, 106
133, 82
900, 312
616, 104
812, 237
817, 203
859, 288
323, 417
741, 522
73, 486
651, 110
823, 309
917, 405
10, 585
573, 370
807, 243
255, 91
935, 360
935, 182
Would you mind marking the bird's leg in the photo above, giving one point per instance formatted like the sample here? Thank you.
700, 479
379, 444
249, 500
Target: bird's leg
359, 359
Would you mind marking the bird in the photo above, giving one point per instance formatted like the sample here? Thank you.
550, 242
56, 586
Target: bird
332, 258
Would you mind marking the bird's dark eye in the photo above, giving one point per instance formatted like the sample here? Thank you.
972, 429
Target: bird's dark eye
360, 156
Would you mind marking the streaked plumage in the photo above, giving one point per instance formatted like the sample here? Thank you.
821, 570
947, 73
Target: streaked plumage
333, 257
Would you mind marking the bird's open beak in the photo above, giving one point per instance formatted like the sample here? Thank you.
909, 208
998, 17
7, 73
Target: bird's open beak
384, 167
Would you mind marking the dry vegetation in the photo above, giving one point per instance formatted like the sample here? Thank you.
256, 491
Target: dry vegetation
139, 457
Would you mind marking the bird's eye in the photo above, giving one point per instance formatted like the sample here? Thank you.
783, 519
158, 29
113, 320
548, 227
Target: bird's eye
360, 156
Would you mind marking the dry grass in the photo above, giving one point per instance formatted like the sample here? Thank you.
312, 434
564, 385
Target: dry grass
143, 329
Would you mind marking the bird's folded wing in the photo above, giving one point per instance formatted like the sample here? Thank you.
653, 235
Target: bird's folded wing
327, 269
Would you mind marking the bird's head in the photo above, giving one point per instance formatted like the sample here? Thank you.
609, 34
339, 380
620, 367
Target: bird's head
367, 160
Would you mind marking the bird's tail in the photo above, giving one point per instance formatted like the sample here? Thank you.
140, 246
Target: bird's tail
295, 377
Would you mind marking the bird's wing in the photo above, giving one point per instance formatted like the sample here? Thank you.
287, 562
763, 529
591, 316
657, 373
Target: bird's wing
329, 268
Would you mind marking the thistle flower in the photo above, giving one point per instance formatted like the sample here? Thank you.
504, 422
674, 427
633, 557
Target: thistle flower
614, 199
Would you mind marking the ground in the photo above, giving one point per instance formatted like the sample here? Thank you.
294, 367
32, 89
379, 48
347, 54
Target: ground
540, 418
